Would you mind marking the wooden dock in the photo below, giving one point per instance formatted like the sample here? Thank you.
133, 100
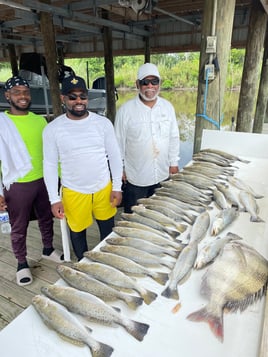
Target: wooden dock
13, 298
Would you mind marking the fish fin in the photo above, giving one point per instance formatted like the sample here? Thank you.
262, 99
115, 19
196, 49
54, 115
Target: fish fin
215, 322
71, 340
170, 265
160, 278
171, 293
148, 297
102, 350
116, 308
137, 329
133, 301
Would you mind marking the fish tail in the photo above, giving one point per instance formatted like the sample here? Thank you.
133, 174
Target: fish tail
133, 301
101, 350
215, 322
137, 329
170, 265
256, 219
171, 293
160, 278
148, 296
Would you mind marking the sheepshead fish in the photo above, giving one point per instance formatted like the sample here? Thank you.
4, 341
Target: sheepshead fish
94, 309
223, 219
251, 206
84, 282
126, 265
115, 278
58, 318
236, 279
181, 270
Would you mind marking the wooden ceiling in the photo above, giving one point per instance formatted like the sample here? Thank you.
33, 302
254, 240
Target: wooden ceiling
167, 25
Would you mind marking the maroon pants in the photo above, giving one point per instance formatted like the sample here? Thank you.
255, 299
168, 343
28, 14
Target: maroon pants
24, 199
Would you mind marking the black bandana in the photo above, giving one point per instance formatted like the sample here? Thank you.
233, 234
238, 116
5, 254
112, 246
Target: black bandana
15, 81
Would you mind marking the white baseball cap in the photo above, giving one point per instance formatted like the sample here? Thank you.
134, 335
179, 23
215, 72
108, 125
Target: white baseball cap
148, 69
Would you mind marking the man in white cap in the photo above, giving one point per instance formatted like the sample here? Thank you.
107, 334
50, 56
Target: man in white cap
147, 132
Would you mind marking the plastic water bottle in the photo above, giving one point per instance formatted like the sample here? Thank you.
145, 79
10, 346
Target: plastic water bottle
4, 222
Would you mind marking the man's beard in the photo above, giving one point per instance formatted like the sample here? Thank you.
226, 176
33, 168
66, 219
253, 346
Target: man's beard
149, 99
20, 108
79, 113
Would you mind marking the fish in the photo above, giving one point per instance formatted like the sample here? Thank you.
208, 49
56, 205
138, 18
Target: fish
84, 282
143, 227
198, 181
249, 202
143, 245
94, 309
240, 184
115, 278
209, 251
223, 219
127, 266
182, 206
237, 278
135, 217
190, 199
181, 270
58, 318
167, 208
148, 236
213, 158
220, 199
136, 255
226, 155
230, 196
200, 227
160, 218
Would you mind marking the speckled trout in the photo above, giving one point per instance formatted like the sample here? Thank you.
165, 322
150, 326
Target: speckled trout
115, 278
94, 309
84, 282
126, 265
65, 324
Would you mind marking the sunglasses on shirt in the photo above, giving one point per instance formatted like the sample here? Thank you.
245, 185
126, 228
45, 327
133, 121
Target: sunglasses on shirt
73, 96
146, 81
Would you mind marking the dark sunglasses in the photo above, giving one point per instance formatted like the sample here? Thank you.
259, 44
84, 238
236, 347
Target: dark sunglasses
146, 81
75, 96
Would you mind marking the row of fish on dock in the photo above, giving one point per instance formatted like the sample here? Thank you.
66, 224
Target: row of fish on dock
167, 236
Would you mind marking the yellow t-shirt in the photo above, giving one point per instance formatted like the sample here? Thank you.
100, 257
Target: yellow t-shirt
30, 127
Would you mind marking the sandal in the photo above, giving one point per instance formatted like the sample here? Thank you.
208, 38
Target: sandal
24, 277
54, 257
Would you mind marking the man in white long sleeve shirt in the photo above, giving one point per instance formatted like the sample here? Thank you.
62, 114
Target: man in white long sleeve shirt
147, 132
83, 147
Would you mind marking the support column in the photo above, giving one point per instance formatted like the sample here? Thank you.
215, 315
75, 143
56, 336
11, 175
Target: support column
263, 91
217, 21
250, 77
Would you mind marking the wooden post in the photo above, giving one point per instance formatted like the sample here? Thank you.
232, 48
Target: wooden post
217, 21
250, 77
47, 29
263, 91
109, 70
147, 55
13, 59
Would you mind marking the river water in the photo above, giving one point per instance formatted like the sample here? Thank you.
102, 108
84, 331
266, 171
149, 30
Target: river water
184, 102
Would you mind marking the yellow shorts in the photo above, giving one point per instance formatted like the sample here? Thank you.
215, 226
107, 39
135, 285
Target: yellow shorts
79, 208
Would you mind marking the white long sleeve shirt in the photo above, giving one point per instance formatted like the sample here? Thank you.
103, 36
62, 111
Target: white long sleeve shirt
81, 148
148, 139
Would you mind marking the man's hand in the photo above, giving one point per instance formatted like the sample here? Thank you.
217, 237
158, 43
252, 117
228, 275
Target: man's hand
173, 170
3, 205
58, 210
115, 198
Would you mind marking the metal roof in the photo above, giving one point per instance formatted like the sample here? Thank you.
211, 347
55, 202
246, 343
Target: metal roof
168, 25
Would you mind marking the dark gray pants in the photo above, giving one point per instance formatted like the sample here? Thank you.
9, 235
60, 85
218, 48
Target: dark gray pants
24, 199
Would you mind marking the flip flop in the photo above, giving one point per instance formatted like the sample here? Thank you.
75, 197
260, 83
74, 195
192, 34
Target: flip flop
54, 257
24, 274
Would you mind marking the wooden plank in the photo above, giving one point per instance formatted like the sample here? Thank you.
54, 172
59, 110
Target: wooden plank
8, 310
